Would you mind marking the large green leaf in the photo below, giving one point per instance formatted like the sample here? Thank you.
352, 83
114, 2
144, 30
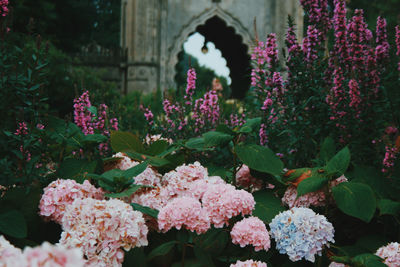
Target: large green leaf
339, 163
390, 207
216, 139
146, 210
125, 141
311, 184
213, 241
250, 125
76, 169
94, 138
126, 193
328, 149
136, 170
196, 143
157, 147
355, 199
203, 256
162, 250
13, 223
267, 205
368, 260
259, 158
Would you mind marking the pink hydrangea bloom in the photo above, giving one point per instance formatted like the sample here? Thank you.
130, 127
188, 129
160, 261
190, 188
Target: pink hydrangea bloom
147, 177
178, 182
251, 231
61, 193
149, 139
390, 253
55, 256
155, 198
184, 212
223, 201
10, 256
246, 181
316, 199
249, 263
46, 255
101, 228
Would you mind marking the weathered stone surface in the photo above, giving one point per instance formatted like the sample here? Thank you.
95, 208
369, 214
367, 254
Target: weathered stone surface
153, 31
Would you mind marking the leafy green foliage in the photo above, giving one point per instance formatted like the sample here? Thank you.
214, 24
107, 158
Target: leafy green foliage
13, 223
267, 205
355, 199
259, 158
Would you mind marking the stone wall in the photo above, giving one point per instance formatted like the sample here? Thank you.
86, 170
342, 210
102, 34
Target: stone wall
153, 32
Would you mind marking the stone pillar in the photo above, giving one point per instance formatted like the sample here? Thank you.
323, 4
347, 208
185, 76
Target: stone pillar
140, 35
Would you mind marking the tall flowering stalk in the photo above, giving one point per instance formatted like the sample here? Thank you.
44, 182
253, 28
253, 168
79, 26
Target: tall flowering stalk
191, 86
398, 44
382, 45
90, 123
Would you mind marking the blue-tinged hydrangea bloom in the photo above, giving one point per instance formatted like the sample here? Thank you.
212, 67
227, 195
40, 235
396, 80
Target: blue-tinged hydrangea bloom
301, 233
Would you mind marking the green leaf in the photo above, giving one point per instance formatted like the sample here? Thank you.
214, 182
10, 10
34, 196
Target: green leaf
76, 169
157, 147
389, 207
135, 257
259, 158
203, 257
92, 109
267, 205
339, 163
212, 139
196, 143
94, 138
162, 250
223, 128
328, 149
13, 223
368, 260
213, 241
146, 210
251, 124
355, 199
311, 184
126, 193
125, 141
135, 170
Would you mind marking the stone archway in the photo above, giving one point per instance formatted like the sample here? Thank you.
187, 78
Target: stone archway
153, 31
220, 28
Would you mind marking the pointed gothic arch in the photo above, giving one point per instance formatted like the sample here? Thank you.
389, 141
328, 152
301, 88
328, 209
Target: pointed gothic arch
243, 41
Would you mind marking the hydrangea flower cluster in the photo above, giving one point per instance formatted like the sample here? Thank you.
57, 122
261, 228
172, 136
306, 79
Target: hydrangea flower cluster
249, 263
390, 253
245, 180
301, 233
251, 231
101, 228
186, 212
61, 193
316, 199
147, 177
149, 139
41, 256
223, 201
218, 201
